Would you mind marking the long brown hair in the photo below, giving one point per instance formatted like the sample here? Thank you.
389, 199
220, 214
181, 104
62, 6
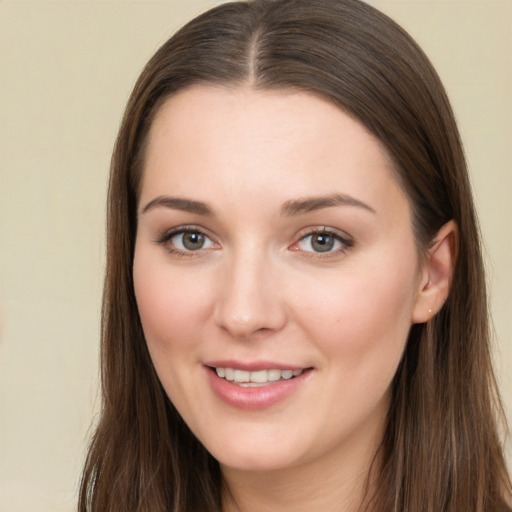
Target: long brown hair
441, 447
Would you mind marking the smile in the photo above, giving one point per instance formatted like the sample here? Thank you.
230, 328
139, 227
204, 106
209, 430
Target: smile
256, 385
256, 378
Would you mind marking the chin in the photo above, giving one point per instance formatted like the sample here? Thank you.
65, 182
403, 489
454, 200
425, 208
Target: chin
257, 462
271, 452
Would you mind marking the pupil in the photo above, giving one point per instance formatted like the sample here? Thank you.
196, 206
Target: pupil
193, 241
323, 242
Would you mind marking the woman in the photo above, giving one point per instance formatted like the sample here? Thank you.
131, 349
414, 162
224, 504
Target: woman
295, 311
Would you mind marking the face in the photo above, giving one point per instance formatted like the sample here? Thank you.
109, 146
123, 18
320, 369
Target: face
276, 275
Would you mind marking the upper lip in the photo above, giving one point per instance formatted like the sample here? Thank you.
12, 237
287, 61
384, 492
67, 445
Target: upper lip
253, 366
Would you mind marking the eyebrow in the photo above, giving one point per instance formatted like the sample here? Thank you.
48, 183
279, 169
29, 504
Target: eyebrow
290, 208
309, 204
179, 203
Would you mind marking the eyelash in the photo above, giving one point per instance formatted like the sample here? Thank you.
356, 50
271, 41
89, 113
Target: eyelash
346, 242
167, 236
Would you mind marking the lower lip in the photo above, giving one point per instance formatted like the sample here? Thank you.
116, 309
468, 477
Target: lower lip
254, 398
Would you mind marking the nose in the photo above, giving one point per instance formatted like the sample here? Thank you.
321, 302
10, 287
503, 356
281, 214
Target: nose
250, 300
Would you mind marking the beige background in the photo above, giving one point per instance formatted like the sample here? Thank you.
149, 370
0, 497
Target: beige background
66, 69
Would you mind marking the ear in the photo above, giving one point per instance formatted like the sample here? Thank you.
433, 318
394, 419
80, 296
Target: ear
436, 276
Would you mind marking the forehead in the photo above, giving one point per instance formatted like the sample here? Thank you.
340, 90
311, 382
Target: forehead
257, 113
241, 140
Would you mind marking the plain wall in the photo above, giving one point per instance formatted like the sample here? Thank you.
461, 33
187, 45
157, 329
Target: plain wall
66, 70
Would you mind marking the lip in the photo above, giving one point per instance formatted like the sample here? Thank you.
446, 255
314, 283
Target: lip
254, 398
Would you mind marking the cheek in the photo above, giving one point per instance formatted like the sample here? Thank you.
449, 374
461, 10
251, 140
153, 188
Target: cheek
360, 323
362, 312
171, 306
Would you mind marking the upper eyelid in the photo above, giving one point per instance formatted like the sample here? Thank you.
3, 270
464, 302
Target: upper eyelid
164, 240
167, 234
344, 238
343, 235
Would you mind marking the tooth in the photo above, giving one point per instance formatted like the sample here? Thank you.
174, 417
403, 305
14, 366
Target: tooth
274, 375
241, 376
257, 377
260, 377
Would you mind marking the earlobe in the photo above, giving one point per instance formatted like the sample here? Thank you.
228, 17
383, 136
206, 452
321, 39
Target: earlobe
437, 273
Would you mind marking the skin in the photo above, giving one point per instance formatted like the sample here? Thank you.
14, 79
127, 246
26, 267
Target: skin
258, 289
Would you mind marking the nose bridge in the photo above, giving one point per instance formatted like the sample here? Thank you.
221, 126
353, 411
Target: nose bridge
250, 300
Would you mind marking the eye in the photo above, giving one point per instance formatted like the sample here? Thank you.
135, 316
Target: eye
322, 242
190, 241
184, 241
